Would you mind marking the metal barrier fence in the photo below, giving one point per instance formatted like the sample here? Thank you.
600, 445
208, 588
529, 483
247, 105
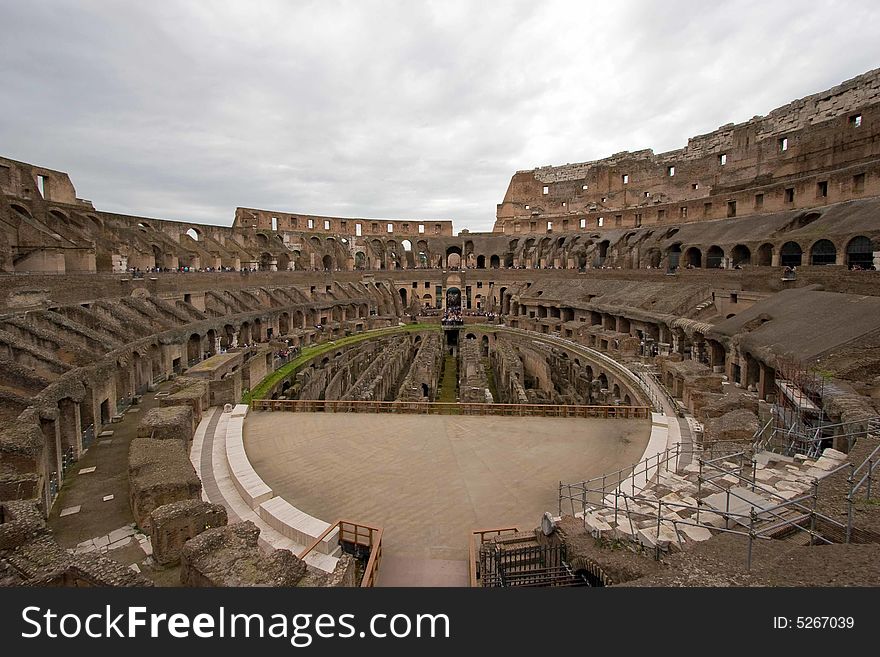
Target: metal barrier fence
611, 492
450, 408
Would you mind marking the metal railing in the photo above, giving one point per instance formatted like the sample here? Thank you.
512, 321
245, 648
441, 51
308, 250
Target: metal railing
790, 440
361, 540
613, 492
478, 538
450, 408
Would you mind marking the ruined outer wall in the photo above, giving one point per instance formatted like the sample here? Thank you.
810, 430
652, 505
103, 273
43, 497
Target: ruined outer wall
352, 226
825, 142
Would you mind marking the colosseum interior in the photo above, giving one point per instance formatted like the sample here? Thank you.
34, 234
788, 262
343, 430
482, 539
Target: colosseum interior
657, 369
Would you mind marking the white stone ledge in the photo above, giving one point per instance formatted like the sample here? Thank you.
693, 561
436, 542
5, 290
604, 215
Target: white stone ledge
297, 525
248, 483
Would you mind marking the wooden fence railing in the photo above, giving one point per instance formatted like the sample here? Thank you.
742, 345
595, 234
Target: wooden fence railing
356, 537
449, 408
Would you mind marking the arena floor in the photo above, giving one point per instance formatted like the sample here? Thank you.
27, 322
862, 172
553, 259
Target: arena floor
430, 480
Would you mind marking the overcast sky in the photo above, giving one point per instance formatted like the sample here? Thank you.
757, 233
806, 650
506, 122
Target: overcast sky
185, 110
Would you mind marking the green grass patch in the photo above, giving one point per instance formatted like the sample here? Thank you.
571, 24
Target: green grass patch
264, 387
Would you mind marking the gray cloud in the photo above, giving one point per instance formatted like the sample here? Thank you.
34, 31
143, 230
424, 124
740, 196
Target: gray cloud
184, 110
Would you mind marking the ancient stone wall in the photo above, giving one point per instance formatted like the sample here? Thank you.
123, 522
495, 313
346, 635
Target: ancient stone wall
159, 472
172, 525
814, 151
420, 383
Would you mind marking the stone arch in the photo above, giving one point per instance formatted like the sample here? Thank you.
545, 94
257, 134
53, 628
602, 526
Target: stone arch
327, 262
790, 254
693, 257
494, 262
653, 258
481, 262
453, 257
765, 255
673, 255
740, 255
823, 252
194, 234
860, 253
715, 257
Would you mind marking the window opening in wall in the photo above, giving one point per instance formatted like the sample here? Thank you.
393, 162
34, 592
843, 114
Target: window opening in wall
789, 194
358, 230
855, 120
859, 182
707, 209
583, 223
421, 229
528, 207
533, 226
695, 186
731, 208
549, 226
274, 223
733, 297
390, 228
661, 215
326, 225
604, 198
516, 227
311, 223
625, 179
783, 144
670, 171
600, 221
822, 189
638, 220
647, 194
437, 229
563, 204
41, 185
375, 228
722, 159
585, 187
759, 201
683, 212
546, 189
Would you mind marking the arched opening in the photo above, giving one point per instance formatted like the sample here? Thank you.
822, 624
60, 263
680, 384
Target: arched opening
860, 253
823, 253
407, 245
740, 255
790, 254
265, 261
284, 323
615, 392
603, 252
283, 262
402, 292
453, 257
360, 260
714, 257
327, 262
495, 262
484, 344
453, 298
653, 258
603, 381
673, 256
693, 258
481, 262
194, 234
194, 349
765, 255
